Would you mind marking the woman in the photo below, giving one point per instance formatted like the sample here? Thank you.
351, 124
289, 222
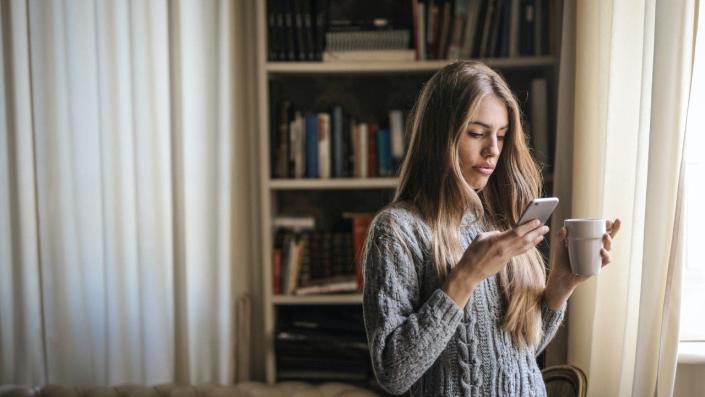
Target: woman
456, 300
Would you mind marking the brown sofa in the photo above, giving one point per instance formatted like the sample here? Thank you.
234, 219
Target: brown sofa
245, 389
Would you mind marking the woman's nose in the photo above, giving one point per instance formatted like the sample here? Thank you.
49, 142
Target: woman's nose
491, 149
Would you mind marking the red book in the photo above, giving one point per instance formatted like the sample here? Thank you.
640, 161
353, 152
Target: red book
372, 151
276, 272
360, 227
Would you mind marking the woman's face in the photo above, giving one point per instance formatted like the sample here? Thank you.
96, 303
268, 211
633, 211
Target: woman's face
481, 143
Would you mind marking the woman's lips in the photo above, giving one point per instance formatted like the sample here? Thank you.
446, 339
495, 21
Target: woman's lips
484, 170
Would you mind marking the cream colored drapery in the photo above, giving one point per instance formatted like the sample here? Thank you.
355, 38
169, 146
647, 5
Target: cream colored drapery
124, 200
621, 125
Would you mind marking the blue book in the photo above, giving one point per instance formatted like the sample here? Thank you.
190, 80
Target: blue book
337, 142
311, 145
384, 152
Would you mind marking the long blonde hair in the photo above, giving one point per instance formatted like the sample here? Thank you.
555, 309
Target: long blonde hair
432, 182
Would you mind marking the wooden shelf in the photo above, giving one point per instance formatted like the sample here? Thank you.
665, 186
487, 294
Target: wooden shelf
400, 67
344, 299
333, 183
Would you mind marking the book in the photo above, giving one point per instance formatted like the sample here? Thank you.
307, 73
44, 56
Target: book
459, 20
514, 28
321, 16
298, 130
444, 29
273, 42
337, 142
398, 55
539, 120
372, 159
290, 29
419, 14
283, 140
360, 228
486, 36
396, 129
526, 27
295, 223
297, 9
432, 32
384, 153
311, 137
334, 284
324, 152
276, 271
471, 28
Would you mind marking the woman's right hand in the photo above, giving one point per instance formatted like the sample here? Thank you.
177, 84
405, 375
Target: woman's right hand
487, 255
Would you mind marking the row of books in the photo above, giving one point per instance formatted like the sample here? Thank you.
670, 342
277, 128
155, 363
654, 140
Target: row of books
326, 344
335, 145
460, 29
296, 29
309, 262
302, 30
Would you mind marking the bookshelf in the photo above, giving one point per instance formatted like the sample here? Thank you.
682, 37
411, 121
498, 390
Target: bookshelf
400, 67
315, 86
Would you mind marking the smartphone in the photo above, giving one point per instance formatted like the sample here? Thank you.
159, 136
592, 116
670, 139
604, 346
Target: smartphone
540, 208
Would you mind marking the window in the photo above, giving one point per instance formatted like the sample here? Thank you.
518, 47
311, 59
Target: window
692, 326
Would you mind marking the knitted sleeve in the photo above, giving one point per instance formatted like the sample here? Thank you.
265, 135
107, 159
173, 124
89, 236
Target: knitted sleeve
405, 335
551, 320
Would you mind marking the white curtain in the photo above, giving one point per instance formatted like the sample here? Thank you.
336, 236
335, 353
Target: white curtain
623, 122
123, 192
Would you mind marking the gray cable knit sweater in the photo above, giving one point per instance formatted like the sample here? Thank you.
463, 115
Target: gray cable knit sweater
420, 339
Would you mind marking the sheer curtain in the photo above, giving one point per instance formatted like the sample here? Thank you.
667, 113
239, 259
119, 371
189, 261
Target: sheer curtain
124, 208
621, 138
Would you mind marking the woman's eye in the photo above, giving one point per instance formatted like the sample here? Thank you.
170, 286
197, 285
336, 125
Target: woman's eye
500, 137
475, 134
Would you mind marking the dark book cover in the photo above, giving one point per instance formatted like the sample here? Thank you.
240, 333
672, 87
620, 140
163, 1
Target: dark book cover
504, 29
526, 28
290, 29
299, 28
372, 170
272, 41
320, 27
311, 138
337, 141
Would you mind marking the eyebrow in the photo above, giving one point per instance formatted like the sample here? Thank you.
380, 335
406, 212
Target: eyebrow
489, 127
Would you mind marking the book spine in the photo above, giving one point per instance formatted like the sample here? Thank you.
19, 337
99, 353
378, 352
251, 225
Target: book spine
311, 146
272, 42
337, 138
321, 7
280, 35
445, 30
526, 43
289, 17
539, 122
362, 151
396, 129
276, 271
360, 227
459, 18
283, 141
324, 145
372, 164
309, 22
514, 29
385, 154
300, 28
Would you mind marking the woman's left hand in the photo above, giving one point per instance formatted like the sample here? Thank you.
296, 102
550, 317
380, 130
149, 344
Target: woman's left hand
562, 281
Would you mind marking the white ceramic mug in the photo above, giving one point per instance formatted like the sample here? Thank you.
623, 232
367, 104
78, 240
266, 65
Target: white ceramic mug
584, 245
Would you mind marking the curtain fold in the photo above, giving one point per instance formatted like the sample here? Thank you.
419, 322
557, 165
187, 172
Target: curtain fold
119, 230
632, 71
